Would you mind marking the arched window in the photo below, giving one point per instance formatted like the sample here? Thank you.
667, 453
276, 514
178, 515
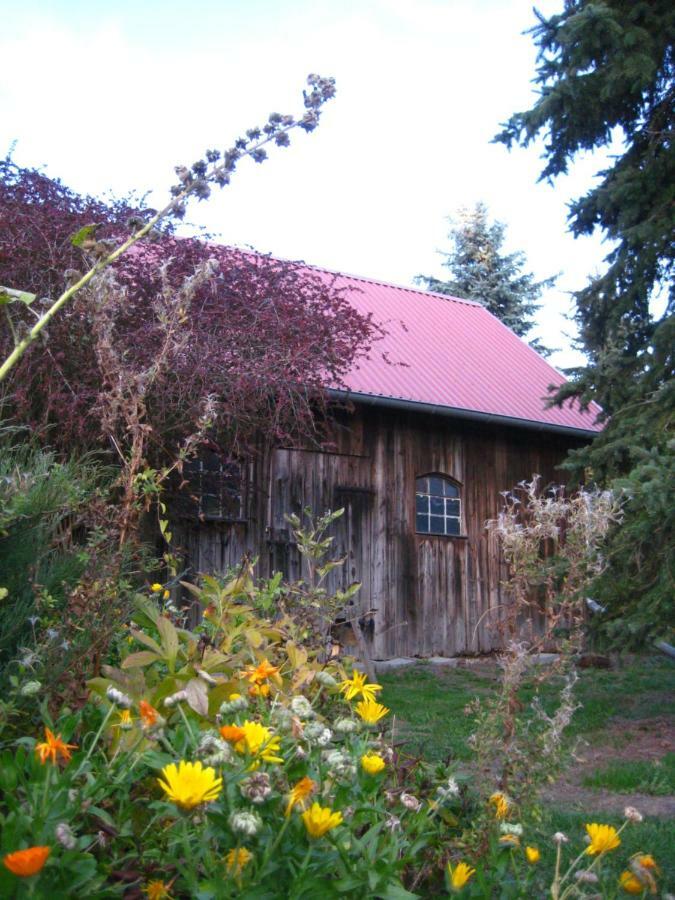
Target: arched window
437, 506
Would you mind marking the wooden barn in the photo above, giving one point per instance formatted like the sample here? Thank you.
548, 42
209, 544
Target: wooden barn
448, 411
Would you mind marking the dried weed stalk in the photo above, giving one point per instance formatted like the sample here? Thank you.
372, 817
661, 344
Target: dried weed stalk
551, 545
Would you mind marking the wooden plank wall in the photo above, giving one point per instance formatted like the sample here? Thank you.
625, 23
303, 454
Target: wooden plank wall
433, 595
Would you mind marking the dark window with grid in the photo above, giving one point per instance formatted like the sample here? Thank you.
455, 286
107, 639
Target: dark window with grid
213, 488
437, 506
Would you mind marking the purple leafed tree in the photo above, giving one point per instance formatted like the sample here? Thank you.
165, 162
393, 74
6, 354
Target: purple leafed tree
260, 338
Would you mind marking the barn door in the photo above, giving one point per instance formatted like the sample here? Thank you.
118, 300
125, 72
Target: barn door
354, 542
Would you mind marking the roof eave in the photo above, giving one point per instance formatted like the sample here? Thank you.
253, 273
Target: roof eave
458, 413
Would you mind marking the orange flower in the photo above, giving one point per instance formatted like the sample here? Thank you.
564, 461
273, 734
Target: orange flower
53, 747
25, 863
157, 890
232, 733
149, 714
261, 673
299, 794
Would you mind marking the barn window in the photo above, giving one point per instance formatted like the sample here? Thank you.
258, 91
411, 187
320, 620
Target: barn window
213, 488
437, 506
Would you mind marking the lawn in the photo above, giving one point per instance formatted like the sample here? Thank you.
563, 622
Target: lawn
429, 704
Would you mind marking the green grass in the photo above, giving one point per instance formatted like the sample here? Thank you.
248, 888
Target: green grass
625, 776
429, 701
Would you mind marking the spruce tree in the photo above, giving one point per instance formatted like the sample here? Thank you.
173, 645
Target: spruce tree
606, 80
482, 271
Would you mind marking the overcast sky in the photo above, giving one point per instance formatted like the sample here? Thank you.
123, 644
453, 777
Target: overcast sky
113, 95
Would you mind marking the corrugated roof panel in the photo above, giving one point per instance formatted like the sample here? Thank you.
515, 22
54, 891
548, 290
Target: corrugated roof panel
453, 354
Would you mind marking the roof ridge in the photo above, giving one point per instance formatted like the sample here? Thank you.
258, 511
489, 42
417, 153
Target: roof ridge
366, 278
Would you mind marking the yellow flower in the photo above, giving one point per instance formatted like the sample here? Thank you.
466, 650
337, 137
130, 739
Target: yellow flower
372, 763
53, 747
299, 794
639, 878
459, 875
156, 587
25, 863
125, 720
532, 854
370, 711
166, 595
237, 860
356, 687
501, 804
157, 890
259, 690
190, 784
234, 696
320, 819
603, 838
258, 741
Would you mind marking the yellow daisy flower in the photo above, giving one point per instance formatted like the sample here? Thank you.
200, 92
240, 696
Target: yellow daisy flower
372, 763
603, 838
356, 686
532, 854
319, 820
459, 876
259, 741
190, 784
237, 860
501, 804
370, 711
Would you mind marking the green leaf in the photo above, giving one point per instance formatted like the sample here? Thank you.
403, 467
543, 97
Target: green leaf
142, 658
395, 891
86, 233
169, 638
144, 638
11, 295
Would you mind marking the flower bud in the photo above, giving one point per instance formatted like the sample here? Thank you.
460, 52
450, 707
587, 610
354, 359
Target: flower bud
410, 802
118, 698
65, 836
247, 823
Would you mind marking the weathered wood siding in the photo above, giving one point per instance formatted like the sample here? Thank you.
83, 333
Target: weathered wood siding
433, 595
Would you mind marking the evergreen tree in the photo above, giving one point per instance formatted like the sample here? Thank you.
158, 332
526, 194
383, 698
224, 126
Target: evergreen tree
481, 271
606, 76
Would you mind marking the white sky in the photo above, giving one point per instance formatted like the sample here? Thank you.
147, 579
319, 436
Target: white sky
112, 96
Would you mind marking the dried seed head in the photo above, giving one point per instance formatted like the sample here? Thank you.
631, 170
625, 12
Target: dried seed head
632, 814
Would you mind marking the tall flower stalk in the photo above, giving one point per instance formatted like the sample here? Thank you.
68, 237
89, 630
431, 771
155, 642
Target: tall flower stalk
192, 182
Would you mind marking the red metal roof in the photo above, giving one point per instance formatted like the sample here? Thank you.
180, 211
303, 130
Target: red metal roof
454, 355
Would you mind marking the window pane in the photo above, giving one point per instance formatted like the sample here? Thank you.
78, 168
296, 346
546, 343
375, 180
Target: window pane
436, 486
422, 504
452, 526
422, 524
423, 485
452, 507
437, 506
451, 490
436, 525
